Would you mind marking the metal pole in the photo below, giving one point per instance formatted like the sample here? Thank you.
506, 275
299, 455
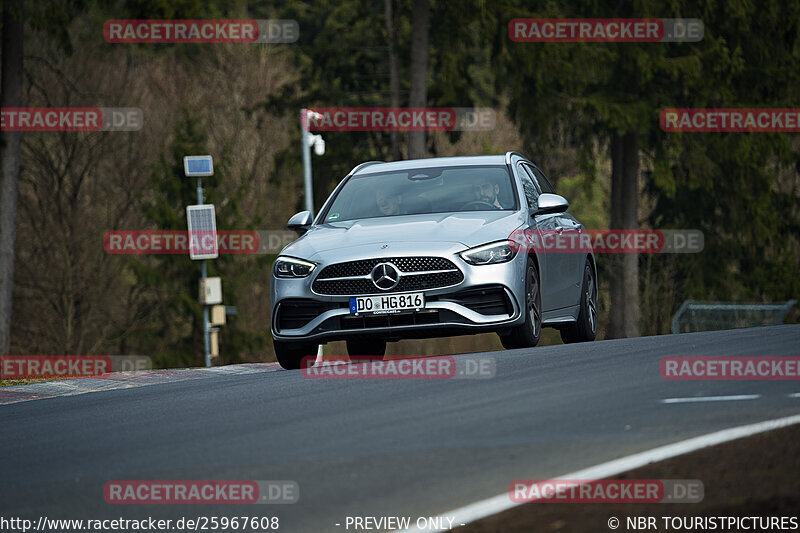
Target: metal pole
304, 134
204, 274
309, 193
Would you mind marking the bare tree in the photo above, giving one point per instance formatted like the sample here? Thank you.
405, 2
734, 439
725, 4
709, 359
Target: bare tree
394, 75
74, 186
70, 295
10, 96
420, 25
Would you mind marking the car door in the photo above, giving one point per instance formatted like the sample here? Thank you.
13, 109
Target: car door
540, 225
568, 264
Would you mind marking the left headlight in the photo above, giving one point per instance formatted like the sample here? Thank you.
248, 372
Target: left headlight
291, 267
489, 254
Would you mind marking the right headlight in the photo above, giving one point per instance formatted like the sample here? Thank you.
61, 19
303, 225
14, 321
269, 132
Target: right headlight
489, 254
291, 267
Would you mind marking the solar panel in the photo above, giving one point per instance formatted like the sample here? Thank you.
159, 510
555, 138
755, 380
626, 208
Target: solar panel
202, 231
198, 166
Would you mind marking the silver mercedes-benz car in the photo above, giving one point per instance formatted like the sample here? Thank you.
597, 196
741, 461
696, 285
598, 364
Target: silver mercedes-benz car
424, 248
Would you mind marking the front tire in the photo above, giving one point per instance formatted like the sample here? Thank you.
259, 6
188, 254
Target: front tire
527, 335
290, 355
585, 328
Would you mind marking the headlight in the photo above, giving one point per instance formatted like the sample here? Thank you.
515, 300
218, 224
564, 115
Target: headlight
290, 267
489, 254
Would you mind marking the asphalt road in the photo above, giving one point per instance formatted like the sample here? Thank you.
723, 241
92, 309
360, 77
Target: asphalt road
378, 447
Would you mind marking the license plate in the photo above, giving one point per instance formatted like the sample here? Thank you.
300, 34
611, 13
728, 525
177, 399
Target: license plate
390, 303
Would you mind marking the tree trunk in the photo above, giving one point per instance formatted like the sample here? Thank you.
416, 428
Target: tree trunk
624, 290
420, 23
10, 96
394, 77
630, 220
616, 319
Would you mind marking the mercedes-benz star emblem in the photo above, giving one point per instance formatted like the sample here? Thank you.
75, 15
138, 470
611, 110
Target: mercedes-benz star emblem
385, 276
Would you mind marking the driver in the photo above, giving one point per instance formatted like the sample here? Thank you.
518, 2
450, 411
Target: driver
487, 191
389, 201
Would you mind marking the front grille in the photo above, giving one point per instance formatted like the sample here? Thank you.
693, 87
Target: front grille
296, 313
434, 272
486, 300
405, 264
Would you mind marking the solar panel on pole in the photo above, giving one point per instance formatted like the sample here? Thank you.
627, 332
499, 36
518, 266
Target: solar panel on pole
196, 166
202, 231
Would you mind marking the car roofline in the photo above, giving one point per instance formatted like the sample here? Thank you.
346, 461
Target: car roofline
509, 155
501, 159
364, 165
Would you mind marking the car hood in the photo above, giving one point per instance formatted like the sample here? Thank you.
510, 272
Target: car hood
468, 229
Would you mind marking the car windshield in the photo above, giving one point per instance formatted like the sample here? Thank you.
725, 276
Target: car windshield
423, 191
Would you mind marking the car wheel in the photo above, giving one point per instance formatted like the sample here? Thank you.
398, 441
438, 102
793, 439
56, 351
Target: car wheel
291, 354
585, 328
366, 348
527, 334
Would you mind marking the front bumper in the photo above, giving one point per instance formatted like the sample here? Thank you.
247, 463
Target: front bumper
487, 299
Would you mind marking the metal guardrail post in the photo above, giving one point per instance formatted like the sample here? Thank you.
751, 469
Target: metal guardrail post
675, 319
784, 311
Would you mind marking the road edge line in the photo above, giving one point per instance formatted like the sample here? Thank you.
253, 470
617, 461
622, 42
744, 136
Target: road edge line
497, 504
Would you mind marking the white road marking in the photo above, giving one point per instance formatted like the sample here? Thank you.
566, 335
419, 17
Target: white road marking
794, 395
712, 398
502, 502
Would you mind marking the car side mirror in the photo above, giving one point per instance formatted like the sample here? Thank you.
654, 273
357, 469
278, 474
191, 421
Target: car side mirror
550, 203
300, 222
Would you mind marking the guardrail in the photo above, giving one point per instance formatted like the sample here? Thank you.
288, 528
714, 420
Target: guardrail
708, 316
